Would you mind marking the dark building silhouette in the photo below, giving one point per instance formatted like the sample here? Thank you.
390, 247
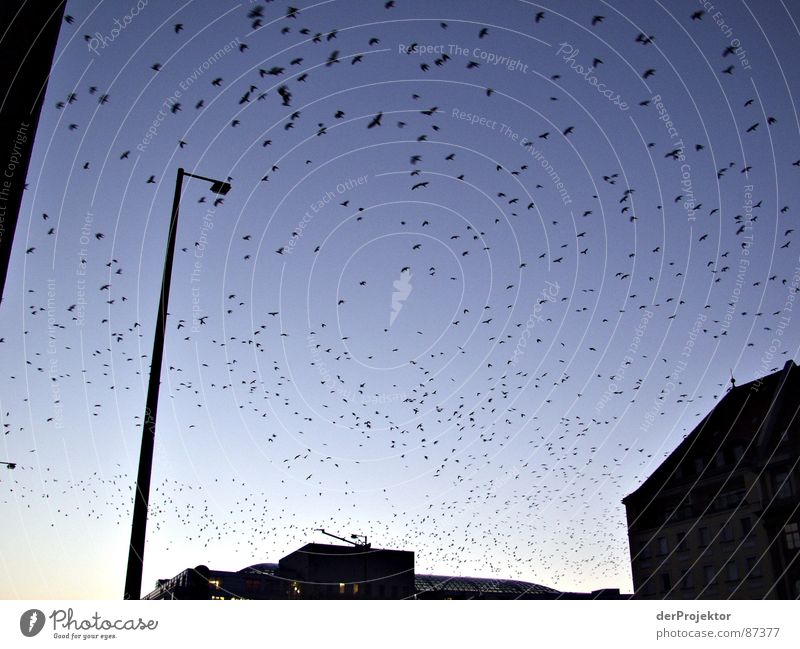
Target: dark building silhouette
28, 40
720, 518
321, 571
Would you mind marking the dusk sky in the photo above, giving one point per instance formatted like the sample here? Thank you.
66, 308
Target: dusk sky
482, 266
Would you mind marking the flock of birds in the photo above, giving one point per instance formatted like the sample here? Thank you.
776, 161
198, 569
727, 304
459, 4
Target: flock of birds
511, 467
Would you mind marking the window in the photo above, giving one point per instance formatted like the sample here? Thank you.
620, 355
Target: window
214, 583
217, 597
738, 452
355, 589
753, 568
726, 532
747, 525
665, 582
684, 511
341, 588
703, 531
732, 571
698, 465
644, 552
687, 580
681, 539
792, 532
709, 576
719, 460
783, 484
661, 544
729, 500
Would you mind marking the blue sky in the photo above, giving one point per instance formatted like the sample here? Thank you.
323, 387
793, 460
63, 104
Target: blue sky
483, 328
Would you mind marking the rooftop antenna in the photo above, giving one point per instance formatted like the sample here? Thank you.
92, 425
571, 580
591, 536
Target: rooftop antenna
733, 380
364, 543
357, 543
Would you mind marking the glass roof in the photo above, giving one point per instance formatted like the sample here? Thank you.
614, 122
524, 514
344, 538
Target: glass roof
477, 585
261, 568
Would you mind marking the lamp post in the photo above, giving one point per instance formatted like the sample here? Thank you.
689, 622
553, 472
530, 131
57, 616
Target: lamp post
133, 578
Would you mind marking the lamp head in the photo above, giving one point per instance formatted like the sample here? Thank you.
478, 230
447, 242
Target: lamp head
221, 188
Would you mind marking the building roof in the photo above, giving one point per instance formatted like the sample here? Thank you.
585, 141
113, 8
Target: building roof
261, 568
328, 549
747, 414
479, 585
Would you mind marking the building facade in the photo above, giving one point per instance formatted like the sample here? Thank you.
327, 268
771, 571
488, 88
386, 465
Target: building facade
720, 518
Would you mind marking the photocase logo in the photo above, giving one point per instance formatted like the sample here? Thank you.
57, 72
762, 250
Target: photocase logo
31, 622
402, 291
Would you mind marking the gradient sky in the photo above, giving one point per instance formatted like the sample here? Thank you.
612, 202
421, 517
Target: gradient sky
490, 406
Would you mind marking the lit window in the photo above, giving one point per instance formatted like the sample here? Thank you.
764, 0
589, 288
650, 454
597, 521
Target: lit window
792, 532
341, 588
355, 589
214, 583
217, 597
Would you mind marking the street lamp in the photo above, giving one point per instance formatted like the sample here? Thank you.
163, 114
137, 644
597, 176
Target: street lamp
10, 465
133, 578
